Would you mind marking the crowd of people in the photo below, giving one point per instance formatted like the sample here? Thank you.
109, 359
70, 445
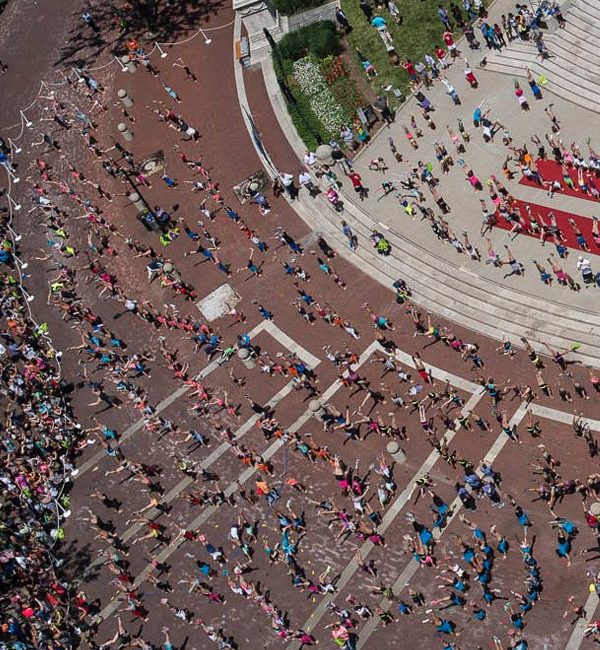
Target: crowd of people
44, 603
547, 162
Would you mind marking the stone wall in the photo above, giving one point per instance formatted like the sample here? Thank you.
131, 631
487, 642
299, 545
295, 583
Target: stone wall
292, 23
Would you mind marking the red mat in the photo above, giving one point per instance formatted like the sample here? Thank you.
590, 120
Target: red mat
583, 223
550, 170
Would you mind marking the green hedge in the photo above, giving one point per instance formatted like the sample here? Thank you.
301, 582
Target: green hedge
320, 39
291, 7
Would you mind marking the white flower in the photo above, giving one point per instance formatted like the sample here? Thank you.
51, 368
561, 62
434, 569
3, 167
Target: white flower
309, 78
329, 112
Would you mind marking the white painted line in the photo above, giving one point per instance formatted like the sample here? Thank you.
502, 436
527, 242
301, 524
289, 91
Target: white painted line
411, 568
204, 464
578, 634
386, 522
561, 416
277, 333
438, 373
289, 343
233, 487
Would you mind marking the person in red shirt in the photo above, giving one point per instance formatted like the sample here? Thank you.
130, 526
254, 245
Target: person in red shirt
440, 55
359, 188
410, 69
450, 44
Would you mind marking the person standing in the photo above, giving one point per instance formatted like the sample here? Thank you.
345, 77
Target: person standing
88, 19
382, 107
352, 239
287, 180
366, 9
342, 19
444, 18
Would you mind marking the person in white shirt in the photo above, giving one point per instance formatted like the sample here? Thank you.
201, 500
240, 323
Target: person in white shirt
310, 160
287, 180
305, 180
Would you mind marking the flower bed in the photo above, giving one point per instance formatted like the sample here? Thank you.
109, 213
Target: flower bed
325, 96
308, 76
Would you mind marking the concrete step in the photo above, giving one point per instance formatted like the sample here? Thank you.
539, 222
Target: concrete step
555, 86
561, 63
573, 48
446, 302
473, 291
590, 7
574, 35
582, 19
443, 270
571, 85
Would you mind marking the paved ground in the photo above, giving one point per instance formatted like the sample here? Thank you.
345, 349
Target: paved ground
225, 148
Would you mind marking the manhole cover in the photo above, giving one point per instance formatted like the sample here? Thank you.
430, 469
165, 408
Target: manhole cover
152, 164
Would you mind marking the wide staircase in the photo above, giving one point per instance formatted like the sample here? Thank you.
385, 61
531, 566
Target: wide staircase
574, 59
445, 288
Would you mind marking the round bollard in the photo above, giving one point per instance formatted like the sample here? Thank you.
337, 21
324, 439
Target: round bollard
125, 132
125, 98
128, 64
246, 358
137, 200
317, 409
393, 449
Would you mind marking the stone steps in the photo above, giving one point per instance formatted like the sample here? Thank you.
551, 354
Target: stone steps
569, 84
590, 7
568, 48
572, 48
457, 293
477, 289
559, 67
580, 18
254, 23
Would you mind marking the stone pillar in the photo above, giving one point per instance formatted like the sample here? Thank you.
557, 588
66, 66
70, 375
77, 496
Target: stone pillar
128, 64
125, 98
393, 449
317, 409
137, 200
125, 132
246, 358
323, 154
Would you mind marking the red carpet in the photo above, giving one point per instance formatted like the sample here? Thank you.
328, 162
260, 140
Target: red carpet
550, 171
584, 224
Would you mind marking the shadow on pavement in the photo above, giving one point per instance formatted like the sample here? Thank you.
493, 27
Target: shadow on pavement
148, 20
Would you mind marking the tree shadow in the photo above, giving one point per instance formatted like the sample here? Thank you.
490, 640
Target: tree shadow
147, 21
77, 562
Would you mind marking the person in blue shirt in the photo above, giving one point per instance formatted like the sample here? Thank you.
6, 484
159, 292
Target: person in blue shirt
378, 22
404, 608
444, 626
478, 614
444, 18
563, 547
